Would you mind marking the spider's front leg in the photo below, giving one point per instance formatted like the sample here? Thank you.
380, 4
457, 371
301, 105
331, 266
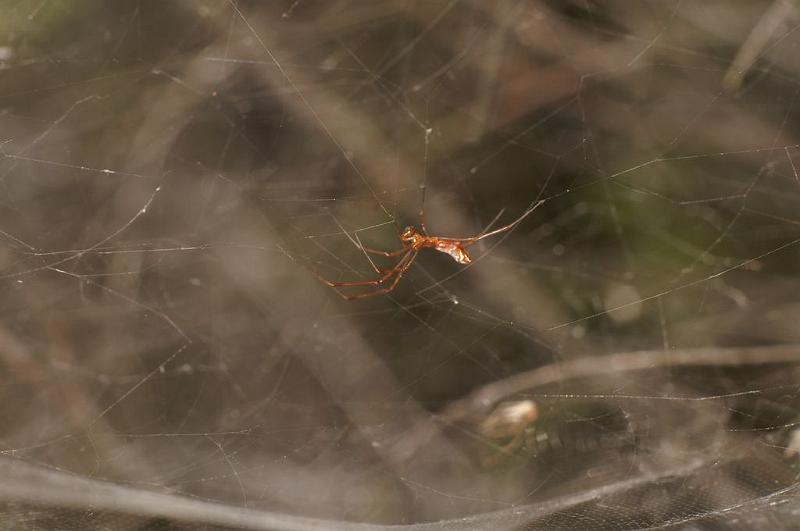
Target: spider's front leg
385, 253
375, 282
399, 269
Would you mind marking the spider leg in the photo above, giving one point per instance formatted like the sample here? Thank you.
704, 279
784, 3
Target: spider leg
385, 253
377, 251
424, 188
386, 275
470, 241
399, 271
422, 222
361, 246
402, 265
491, 223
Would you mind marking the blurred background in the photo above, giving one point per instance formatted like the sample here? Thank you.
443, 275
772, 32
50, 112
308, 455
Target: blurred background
174, 175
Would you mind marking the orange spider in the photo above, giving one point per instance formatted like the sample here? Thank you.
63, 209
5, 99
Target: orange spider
413, 242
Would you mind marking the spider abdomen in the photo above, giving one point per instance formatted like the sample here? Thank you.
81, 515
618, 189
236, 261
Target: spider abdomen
454, 249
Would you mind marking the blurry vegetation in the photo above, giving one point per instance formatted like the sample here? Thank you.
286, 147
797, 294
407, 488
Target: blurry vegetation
172, 173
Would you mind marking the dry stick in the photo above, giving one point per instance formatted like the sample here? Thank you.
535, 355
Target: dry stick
757, 42
37, 485
478, 403
485, 397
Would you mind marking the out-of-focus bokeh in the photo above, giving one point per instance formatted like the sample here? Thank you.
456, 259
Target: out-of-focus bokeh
176, 175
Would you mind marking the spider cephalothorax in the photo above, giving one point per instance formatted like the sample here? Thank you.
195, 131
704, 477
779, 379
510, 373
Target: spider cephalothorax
410, 236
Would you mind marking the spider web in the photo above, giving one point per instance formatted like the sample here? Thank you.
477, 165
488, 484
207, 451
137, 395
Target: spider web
174, 175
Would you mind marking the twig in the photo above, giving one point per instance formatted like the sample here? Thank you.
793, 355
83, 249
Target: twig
757, 41
482, 399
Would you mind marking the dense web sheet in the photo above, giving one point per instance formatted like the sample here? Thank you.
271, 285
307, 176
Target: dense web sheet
175, 175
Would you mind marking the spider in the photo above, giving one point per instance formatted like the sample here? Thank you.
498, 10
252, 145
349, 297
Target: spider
413, 241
